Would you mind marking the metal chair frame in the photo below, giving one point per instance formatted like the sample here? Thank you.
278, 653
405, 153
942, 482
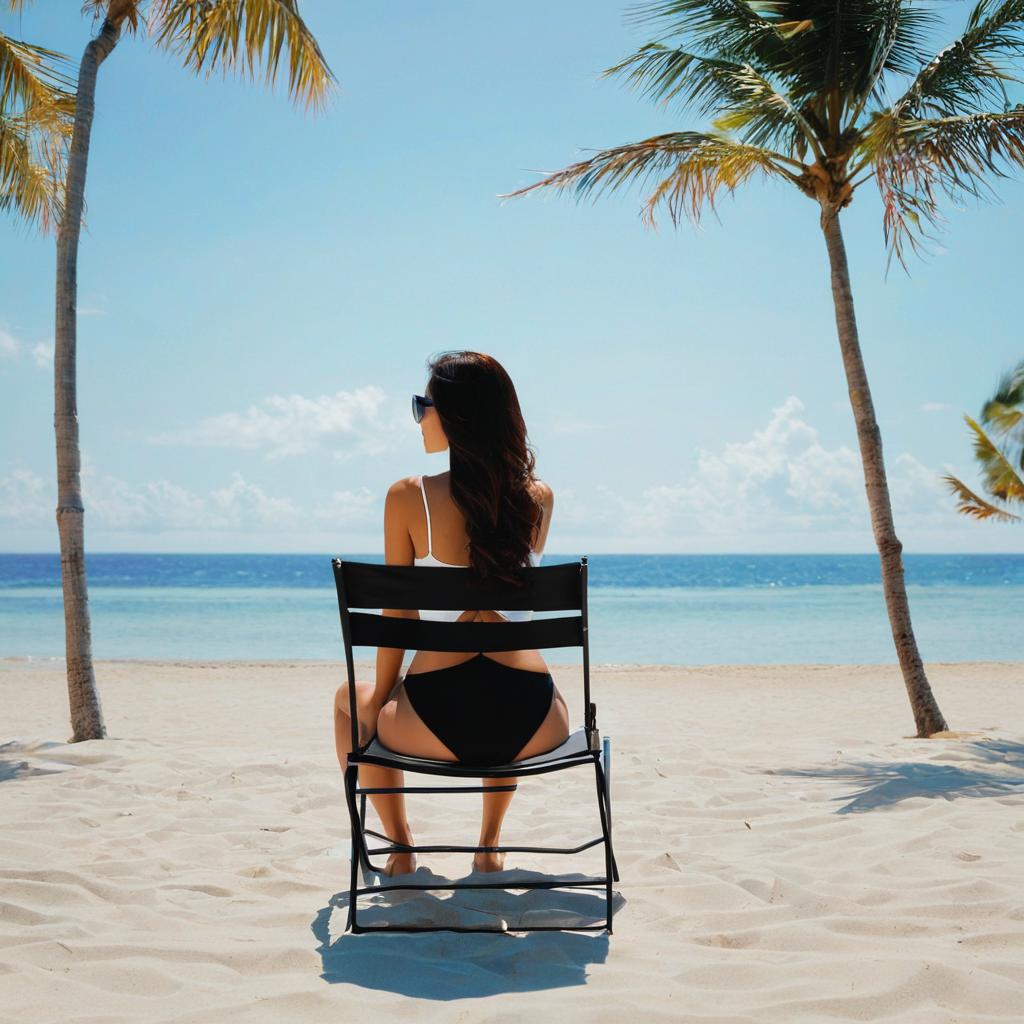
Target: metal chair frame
561, 587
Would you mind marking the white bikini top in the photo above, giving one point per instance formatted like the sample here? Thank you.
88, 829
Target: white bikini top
450, 615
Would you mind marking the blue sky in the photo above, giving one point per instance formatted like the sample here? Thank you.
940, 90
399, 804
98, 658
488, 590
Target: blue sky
260, 290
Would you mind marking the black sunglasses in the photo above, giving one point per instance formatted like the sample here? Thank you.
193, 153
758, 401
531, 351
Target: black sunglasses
419, 407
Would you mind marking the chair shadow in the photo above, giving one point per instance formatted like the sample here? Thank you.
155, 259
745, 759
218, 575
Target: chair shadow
446, 965
888, 784
12, 768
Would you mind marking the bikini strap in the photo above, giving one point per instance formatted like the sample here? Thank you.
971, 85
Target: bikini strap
426, 508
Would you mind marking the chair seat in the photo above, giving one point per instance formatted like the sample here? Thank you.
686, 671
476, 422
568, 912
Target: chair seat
573, 751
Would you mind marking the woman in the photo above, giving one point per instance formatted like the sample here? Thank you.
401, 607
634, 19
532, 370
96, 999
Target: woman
490, 512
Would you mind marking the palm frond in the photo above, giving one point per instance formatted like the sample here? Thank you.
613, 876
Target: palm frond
971, 504
1000, 477
37, 104
1004, 411
31, 74
245, 35
1000, 417
693, 167
765, 116
862, 43
31, 175
972, 70
897, 35
732, 29
894, 49
829, 57
886, 39
914, 159
751, 103
664, 73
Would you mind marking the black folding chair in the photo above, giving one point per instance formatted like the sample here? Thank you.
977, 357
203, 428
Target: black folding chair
560, 587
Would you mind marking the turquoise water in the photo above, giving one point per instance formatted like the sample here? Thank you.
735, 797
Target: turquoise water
644, 609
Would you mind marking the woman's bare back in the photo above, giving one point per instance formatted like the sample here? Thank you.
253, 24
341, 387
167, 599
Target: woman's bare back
450, 545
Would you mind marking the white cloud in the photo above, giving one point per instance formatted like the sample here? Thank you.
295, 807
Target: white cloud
158, 505
161, 505
42, 352
243, 504
11, 348
9, 345
352, 508
781, 481
284, 425
27, 500
919, 497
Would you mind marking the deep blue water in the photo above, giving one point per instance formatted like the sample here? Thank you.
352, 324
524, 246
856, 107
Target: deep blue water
647, 609
648, 572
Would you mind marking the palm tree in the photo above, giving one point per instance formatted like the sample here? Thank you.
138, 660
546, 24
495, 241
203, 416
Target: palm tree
37, 104
1002, 469
229, 34
797, 92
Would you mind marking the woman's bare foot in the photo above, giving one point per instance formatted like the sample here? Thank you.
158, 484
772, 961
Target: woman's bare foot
400, 864
489, 861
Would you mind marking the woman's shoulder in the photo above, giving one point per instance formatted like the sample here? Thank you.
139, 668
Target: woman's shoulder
408, 484
412, 483
543, 491
402, 490
405, 483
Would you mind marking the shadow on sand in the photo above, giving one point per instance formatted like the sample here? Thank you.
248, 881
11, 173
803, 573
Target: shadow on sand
453, 965
889, 783
13, 767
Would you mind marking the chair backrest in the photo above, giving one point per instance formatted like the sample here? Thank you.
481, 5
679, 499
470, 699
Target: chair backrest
366, 585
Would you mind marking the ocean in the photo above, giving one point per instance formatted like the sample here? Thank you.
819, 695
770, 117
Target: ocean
644, 609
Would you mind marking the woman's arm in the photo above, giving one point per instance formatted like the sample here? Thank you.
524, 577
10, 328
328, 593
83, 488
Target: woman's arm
398, 550
547, 500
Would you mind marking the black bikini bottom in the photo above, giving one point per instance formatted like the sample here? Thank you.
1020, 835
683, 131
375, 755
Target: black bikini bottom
484, 712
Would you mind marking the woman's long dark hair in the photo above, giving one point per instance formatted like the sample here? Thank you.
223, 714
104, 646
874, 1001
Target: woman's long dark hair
492, 462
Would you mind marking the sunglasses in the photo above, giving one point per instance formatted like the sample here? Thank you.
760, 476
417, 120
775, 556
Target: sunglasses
419, 407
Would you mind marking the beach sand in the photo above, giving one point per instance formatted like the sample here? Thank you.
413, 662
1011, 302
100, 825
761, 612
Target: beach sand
788, 852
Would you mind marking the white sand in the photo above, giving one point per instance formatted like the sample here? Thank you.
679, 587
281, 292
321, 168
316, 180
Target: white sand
788, 853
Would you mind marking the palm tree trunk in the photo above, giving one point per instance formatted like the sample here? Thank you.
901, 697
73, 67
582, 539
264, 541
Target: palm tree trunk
927, 716
86, 714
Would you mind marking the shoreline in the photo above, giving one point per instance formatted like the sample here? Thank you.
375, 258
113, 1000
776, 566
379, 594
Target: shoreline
52, 660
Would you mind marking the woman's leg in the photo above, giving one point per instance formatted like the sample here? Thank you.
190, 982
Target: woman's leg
390, 806
495, 806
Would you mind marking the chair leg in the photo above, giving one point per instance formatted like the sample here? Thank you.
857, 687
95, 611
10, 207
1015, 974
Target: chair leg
608, 805
607, 755
357, 844
606, 831
359, 819
364, 852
